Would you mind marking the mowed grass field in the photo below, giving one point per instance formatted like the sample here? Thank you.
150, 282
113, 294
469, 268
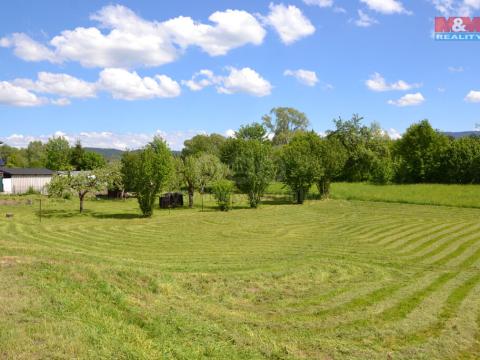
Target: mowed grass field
331, 279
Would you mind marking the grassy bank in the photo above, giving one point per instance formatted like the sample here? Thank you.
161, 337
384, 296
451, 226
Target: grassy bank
424, 194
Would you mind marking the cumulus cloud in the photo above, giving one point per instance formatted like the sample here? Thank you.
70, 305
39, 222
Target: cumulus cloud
28, 49
201, 80
378, 83
386, 6
408, 100
289, 22
305, 77
126, 85
106, 139
14, 95
456, 7
59, 84
245, 80
364, 20
320, 3
234, 28
127, 40
393, 134
473, 97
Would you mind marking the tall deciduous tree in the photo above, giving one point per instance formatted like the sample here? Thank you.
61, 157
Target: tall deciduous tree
58, 154
284, 122
203, 144
253, 168
301, 165
418, 150
36, 154
149, 173
331, 156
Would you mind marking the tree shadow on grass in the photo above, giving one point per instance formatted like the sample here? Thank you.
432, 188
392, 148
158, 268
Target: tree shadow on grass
118, 216
61, 214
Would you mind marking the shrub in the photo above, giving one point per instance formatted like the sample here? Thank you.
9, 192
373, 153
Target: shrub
32, 191
222, 191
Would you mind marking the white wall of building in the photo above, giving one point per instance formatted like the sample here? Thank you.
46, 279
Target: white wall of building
20, 184
7, 186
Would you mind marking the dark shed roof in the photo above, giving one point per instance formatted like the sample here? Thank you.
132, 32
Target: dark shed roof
8, 171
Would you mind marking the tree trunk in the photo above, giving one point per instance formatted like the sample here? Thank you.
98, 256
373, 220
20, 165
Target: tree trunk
190, 198
81, 196
300, 196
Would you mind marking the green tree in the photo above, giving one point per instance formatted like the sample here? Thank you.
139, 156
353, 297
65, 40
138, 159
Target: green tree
190, 173
284, 122
58, 154
92, 160
114, 177
418, 151
222, 191
254, 131
301, 165
253, 169
36, 154
208, 144
77, 155
80, 184
331, 157
149, 173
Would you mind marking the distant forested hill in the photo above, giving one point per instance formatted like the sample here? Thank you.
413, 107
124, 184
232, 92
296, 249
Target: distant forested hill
460, 134
115, 154
109, 154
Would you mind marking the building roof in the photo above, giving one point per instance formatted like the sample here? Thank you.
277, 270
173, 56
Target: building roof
9, 171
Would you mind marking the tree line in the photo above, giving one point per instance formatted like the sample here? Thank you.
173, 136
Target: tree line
279, 148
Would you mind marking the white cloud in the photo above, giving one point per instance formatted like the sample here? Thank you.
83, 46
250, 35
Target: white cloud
61, 102
201, 80
379, 84
305, 77
128, 40
28, 49
456, 7
13, 95
230, 133
408, 100
107, 139
386, 6
245, 80
126, 85
320, 3
289, 22
234, 28
393, 134
456, 69
364, 20
59, 84
473, 97
475, 4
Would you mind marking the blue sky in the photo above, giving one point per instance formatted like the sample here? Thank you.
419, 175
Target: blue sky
113, 74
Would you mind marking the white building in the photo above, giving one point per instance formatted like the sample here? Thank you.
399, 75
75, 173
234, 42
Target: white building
20, 181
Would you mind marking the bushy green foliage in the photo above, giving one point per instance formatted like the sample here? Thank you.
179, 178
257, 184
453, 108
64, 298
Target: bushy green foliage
300, 163
331, 156
253, 168
199, 144
81, 184
222, 191
146, 172
58, 154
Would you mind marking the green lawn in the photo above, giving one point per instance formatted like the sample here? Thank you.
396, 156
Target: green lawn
424, 194
330, 279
